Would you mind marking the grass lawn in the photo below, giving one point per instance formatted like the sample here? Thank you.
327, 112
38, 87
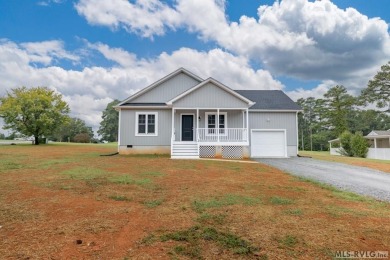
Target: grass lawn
61, 201
382, 165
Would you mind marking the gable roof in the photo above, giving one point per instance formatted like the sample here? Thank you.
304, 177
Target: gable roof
269, 100
160, 81
216, 83
379, 132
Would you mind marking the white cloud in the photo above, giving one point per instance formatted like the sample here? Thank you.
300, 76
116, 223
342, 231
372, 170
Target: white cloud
89, 90
316, 92
298, 38
49, 2
144, 17
45, 52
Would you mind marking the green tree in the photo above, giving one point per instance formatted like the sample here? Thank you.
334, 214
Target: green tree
2, 136
367, 120
109, 126
338, 105
70, 129
378, 89
37, 111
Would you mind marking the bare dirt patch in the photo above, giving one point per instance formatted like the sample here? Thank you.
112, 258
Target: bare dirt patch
67, 202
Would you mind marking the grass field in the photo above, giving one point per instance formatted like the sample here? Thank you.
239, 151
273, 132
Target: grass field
382, 165
62, 201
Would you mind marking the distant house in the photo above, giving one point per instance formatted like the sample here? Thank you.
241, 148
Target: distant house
190, 117
379, 142
379, 145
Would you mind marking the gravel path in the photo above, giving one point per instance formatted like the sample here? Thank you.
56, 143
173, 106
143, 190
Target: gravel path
361, 180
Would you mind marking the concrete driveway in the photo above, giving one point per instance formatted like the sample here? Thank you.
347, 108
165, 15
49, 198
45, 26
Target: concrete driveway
357, 179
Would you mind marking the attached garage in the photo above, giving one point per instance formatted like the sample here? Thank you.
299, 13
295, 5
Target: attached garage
268, 143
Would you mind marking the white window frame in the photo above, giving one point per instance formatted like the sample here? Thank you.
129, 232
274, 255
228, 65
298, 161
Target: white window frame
146, 113
217, 121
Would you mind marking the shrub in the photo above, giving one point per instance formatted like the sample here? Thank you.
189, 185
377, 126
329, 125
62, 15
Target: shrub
359, 145
353, 144
82, 138
345, 142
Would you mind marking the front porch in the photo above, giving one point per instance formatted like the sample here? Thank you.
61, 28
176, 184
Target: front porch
379, 147
209, 133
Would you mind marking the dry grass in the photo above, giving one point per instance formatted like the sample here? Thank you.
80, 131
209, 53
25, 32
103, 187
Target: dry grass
67, 202
381, 165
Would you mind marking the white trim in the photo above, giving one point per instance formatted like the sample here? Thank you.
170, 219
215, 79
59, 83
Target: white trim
193, 124
216, 83
197, 125
119, 129
270, 130
247, 124
243, 119
155, 113
206, 123
275, 110
140, 107
297, 129
244, 143
160, 81
212, 108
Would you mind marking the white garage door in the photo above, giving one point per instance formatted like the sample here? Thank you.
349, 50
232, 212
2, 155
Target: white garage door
268, 143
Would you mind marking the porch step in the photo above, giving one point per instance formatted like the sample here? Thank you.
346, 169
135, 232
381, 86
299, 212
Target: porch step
185, 151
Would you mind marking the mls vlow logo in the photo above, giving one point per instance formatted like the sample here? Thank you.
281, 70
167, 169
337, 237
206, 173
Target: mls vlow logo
362, 254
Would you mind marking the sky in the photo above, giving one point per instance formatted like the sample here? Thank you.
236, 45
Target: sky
94, 51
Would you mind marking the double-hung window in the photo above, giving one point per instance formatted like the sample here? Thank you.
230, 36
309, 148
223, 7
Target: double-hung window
212, 124
146, 123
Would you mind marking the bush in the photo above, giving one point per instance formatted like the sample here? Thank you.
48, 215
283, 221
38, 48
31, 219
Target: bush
359, 145
353, 144
345, 142
81, 138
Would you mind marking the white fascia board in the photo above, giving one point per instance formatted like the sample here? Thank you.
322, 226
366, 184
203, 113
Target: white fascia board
160, 81
216, 83
274, 110
140, 107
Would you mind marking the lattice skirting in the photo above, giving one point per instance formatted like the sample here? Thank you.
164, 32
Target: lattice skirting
207, 151
232, 152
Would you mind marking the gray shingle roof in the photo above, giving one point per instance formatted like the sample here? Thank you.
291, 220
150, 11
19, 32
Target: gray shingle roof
269, 99
381, 132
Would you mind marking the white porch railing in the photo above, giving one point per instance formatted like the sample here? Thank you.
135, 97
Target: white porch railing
222, 135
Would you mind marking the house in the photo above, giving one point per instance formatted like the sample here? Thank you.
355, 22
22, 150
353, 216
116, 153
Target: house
190, 117
379, 145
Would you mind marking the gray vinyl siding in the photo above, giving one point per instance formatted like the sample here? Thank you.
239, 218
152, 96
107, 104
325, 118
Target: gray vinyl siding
276, 120
167, 90
127, 129
210, 96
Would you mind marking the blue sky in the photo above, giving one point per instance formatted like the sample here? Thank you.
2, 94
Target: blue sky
94, 51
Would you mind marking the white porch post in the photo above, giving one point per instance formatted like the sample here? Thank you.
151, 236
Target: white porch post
173, 125
217, 124
197, 124
247, 125
375, 147
119, 129
243, 119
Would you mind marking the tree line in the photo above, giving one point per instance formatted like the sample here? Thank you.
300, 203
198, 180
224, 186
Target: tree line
41, 112
328, 117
